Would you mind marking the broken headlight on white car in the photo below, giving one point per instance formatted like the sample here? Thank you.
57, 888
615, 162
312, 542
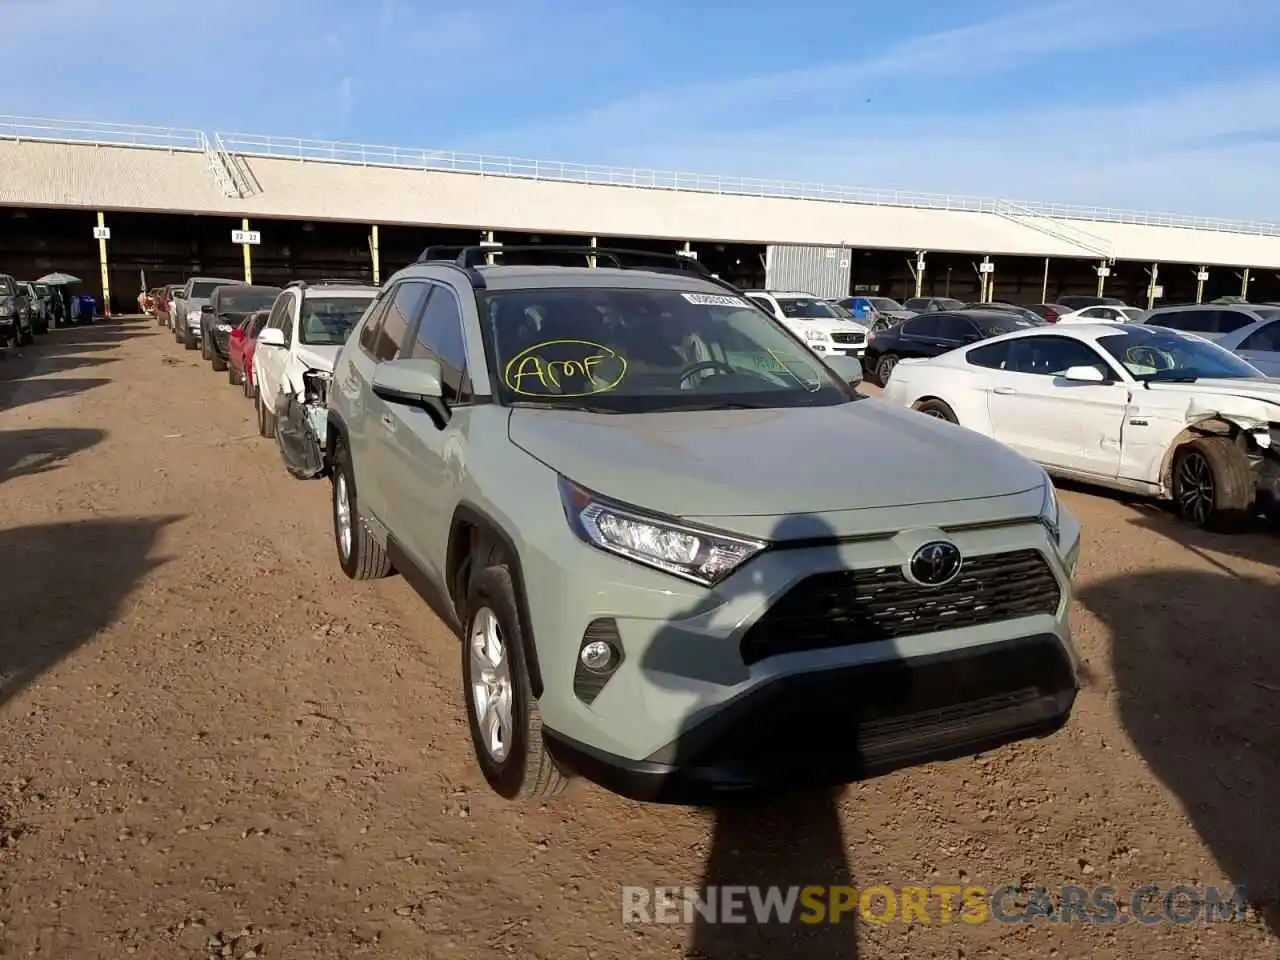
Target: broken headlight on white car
703, 556
1049, 511
315, 387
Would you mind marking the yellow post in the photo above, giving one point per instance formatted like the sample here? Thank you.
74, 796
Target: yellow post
1102, 276
1244, 284
919, 273
102, 261
1201, 275
1044, 287
1151, 287
248, 256
591, 261
373, 252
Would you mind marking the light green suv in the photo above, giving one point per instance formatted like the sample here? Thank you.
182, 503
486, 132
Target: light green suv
686, 559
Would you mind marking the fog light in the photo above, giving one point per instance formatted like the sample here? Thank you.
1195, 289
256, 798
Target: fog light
597, 656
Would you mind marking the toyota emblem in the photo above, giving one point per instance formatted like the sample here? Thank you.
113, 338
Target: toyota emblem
935, 564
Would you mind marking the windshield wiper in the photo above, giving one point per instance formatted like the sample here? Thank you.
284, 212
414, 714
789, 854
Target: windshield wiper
552, 405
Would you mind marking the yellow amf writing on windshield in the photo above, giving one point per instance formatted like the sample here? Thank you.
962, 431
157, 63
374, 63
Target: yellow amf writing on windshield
544, 368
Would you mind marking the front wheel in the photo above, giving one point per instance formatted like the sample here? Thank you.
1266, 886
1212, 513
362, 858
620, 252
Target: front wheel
506, 726
216, 361
1212, 484
939, 410
360, 555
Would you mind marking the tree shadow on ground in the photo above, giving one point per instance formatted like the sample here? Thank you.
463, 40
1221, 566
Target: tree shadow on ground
1199, 703
27, 452
63, 583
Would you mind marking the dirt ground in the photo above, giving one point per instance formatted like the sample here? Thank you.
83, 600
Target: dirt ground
213, 744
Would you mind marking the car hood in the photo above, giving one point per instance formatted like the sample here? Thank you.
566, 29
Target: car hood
861, 456
1257, 398
318, 357
827, 325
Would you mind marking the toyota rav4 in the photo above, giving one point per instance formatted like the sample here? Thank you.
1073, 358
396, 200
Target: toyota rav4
617, 482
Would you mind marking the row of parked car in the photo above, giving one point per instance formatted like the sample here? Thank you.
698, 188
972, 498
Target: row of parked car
671, 533
26, 309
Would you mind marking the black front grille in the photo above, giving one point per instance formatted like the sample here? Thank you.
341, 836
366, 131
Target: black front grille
845, 607
848, 338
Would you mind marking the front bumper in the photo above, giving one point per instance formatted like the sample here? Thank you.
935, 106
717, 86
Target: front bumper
705, 702
839, 726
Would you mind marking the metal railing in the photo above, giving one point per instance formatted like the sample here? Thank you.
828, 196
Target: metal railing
331, 151
101, 134
335, 151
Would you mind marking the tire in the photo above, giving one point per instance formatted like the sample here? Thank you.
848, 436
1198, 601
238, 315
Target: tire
159, 320
884, 368
939, 410
359, 554
1212, 485
188, 340
217, 362
27, 337
206, 348
524, 769
249, 391
266, 419
233, 378
177, 335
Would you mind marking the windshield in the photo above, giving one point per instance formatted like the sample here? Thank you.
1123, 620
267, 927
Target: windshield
250, 298
203, 289
1165, 355
640, 351
992, 325
326, 321
884, 303
1133, 313
806, 308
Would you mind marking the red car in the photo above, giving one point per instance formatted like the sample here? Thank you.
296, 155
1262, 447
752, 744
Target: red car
240, 347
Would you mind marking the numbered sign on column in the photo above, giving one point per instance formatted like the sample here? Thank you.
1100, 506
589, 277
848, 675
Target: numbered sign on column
250, 237
102, 233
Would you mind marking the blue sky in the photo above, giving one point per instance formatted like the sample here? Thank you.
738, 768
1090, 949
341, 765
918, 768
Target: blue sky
1154, 104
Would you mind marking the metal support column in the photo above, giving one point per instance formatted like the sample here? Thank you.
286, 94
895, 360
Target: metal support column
375, 255
988, 280
488, 241
1152, 286
1103, 272
1244, 283
102, 261
1202, 274
1044, 287
595, 242
248, 253
918, 272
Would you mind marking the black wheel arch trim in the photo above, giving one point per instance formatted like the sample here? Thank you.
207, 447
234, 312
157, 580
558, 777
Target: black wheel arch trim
473, 516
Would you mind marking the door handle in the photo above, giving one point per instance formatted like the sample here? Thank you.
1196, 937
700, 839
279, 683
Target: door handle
388, 421
1005, 391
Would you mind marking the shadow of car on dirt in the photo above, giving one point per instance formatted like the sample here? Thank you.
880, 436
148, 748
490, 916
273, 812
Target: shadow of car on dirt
1258, 543
61, 584
27, 452
1199, 704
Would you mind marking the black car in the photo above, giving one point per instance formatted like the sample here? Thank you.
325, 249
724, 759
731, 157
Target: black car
932, 334
1026, 313
932, 304
227, 307
15, 313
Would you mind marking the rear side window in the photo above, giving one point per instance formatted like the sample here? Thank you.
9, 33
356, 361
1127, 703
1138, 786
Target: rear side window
1196, 321
1231, 320
920, 327
993, 355
955, 329
1264, 339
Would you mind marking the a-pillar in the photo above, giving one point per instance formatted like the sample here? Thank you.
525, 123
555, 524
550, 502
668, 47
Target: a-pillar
102, 262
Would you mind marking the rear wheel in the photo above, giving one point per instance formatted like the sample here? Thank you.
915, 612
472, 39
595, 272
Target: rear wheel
216, 361
360, 555
266, 419
884, 368
1212, 485
939, 410
233, 377
188, 339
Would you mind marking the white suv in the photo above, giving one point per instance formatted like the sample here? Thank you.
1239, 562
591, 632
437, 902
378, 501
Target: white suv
811, 318
293, 363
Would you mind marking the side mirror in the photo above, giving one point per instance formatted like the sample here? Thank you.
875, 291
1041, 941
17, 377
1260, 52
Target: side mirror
271, 337
412, 382
848, 369
1084, 375
206, 308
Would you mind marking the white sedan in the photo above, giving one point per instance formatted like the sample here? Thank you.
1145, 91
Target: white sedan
1104, 313
1125, 406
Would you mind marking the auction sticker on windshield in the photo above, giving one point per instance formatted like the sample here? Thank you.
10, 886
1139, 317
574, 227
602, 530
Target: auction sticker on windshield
714, 300
545, 369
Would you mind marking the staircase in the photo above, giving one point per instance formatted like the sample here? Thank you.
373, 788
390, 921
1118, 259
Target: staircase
232, 173
1098, 247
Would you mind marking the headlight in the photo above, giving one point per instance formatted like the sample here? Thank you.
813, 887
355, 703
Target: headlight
6, 310
1049, 510
193, 316
703, 556
816, 336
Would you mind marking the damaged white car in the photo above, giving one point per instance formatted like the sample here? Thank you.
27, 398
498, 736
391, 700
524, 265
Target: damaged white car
293, 365
1127, 406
